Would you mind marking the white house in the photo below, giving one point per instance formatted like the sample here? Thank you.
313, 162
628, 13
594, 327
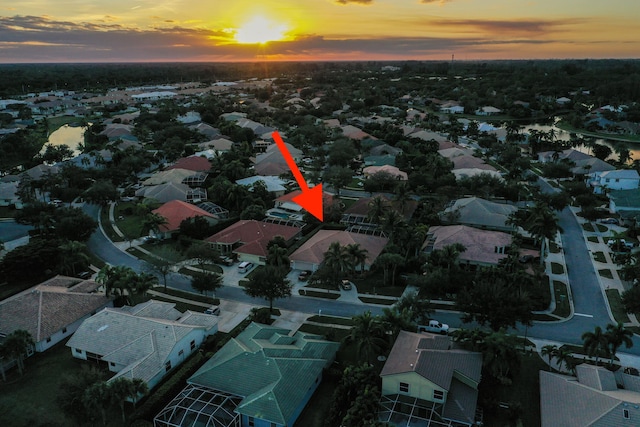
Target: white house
619, 179
145, 341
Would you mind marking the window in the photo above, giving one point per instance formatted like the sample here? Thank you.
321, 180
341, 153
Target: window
404, 388
193, 344
64, 330
167, 366
49, 339
625, 414
438, 395
112, 363
252, 423
77, 350
181, 352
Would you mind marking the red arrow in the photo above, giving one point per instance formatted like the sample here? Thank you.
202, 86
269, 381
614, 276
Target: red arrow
311, 198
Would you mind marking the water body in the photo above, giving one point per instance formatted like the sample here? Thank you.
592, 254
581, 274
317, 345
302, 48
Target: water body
563, 135
72, 136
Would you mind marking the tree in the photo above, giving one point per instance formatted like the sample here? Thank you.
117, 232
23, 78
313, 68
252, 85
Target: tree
101, 193
16, 346
368, 335
378, 207
205, 282
595, 343
550, 351
542, 223
500, 358
140, 283
631, 299
269, 283
496, 301
197, 228
617, 335
97, 398
152, 222
357, 256
123, 389
164, 262
338, 177
601, 151
71, 391
419, 309
115, 279
336, 261
390, 260
73, 255
203, 253
277, 257
353, 381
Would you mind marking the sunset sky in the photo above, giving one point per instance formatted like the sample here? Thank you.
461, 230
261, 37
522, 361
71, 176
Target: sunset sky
241, 30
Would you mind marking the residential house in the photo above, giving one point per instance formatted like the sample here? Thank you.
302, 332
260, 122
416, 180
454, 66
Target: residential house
625, 203
426, 381
249, 239
192, 163
52, 310
310, 255
273, 184
174, 175
488, 111
470, 172
369, 171
164, 193
620, 179
591, 399
9, 193
470, 162
355, 133
428, 136
569, 155
145, 341
176, 211
262, 378
286, 208
482, 247
589, 166
479, 213
451, 108
358, 212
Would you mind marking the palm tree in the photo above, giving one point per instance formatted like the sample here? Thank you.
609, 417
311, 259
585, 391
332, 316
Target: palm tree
402, 196
550, 351
277, 256
388, 260
71, 254
152, 222
336, 260
418, 308
139, 387
16, 346
97, 398
357, 256
121, 389
565, 357
500, 356
595, 343
616, 336
392, 222
367, 333
378, 208
542, 223
141, 283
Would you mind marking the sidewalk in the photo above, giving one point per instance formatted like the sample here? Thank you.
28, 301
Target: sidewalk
601, 247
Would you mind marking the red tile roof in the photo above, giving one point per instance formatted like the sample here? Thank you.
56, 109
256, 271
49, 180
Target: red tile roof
177, 211
253, 235
313, 250
192, 163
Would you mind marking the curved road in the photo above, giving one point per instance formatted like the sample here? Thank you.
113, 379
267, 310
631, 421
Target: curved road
585, 287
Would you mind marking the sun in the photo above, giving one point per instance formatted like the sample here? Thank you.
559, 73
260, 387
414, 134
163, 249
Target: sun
260, 30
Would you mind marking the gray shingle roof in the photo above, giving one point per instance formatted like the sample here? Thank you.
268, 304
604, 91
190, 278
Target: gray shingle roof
479, 212
49, 307
125, 337
276, 370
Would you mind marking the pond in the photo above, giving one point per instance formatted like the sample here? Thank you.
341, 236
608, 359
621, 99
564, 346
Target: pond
563, 135
71, 136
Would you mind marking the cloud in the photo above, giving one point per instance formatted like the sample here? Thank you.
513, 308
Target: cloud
441, 2
360, 2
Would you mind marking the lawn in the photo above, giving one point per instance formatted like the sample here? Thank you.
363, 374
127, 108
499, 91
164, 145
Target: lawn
554, 248
106, 225
606, 273
55, 123
315, 412
563, 308
331, 320
30, 400
617, 308
601, 228
557, 268
187, 295
319, 294
7, 212
593, 239
373, 300
130, 224
588, 227
599, 256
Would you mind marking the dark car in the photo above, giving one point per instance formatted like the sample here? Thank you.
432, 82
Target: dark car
304, 275
84, 275
609, 221
526, 258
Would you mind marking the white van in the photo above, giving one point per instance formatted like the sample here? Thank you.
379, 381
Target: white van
244, 266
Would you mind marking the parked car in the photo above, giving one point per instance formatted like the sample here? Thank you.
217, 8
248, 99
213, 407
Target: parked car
345, 284
84, 275
526, 258
304, 275
609, 221
225, 260
434, 327
150, 239
622, 242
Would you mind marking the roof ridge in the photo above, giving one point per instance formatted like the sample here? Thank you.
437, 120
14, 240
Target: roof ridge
39, 315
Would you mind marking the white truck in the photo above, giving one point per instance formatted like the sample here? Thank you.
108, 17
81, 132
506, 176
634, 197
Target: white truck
434, 327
